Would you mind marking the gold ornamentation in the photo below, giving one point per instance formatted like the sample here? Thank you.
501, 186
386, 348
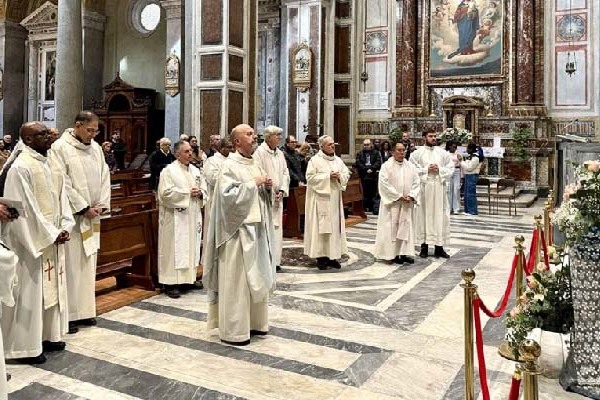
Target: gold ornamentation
172, 75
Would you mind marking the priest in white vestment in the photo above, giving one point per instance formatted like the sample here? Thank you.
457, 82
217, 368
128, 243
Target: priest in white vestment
8, 262
270, 158
211, 169
181, 194
325, 226
399, 187
239, 272
38, 319
87, 179
435, 168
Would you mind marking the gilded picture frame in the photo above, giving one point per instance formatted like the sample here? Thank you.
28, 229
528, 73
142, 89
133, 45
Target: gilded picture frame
302, 66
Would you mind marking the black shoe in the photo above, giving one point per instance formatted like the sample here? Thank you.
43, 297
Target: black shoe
173, 292
87, 322
73, 329
53, 346
278, 268
334, 264
398, 260
439, 252
322, 263
407, 259
244, 343
258, 333
424, 251
32, 360
8, 377
198, 285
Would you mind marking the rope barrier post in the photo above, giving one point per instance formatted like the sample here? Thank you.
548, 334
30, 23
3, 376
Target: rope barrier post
468, 276
538, 247
529, 352
519, 252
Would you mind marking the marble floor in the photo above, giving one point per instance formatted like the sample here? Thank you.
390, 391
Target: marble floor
368, 331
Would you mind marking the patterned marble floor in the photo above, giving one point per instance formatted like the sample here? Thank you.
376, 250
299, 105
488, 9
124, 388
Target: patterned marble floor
369, 331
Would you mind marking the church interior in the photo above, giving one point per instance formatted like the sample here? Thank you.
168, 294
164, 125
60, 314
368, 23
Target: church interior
521, 82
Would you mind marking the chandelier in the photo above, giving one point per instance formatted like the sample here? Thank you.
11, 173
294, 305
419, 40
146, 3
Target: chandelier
571, 65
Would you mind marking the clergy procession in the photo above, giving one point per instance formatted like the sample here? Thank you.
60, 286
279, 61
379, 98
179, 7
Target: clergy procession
226, 215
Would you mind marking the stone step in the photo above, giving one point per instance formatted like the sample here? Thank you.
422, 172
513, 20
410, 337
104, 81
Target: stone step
523, 200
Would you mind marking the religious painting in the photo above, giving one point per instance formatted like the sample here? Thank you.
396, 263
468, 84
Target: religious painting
302, 64
172, 75
466, 38
50, 81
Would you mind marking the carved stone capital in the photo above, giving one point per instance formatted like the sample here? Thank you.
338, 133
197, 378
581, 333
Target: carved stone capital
93, 20
172, 7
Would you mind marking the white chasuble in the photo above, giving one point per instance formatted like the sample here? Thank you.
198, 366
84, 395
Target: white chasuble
87, 181
210, 169
239, 270
395, 225
433, 212
274, 164
40, 311
325, 230
8, 263
180, 223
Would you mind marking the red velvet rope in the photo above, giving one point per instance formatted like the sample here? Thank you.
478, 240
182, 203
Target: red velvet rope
515, 386
503, 303
529, 267
480, 356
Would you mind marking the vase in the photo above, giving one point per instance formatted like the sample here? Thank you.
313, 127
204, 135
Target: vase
581, 373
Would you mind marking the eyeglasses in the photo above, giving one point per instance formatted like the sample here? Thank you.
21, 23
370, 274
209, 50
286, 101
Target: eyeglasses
92, 130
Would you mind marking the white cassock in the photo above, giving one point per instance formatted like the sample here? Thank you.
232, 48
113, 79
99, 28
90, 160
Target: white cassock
40, 311
8, 262
395, 225
274, 164
210, 169
87, 179
239, 272
325, 227
433, 212
180, 223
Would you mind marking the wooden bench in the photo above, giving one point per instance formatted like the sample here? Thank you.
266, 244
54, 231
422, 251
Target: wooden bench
133, 204
129, 184
127, 249
294, 212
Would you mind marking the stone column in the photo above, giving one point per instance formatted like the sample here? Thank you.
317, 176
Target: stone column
93, 56
407, 84
528, 59
69, 63
12, 62
224, 64
173, 110
269, 38
32, 82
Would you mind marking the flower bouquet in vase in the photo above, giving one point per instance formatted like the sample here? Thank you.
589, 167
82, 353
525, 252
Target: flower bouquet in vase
459, 136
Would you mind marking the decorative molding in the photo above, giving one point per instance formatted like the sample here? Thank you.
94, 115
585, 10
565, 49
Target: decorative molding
42, 20
93, 20
173, 8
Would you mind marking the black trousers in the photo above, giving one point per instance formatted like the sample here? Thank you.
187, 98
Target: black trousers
370, 194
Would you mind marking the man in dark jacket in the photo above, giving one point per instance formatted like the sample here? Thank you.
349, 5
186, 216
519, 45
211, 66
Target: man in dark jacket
158, 160
294, 162
119, 148
368, 163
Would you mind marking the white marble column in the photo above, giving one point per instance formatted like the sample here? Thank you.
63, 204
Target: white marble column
173, 123
93, 56
32, 82
69, 63
12, 62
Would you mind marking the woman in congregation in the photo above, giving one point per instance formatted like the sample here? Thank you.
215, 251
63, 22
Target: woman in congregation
386, 151
471, 166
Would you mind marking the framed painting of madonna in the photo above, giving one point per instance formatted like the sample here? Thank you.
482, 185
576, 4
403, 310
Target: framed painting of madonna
466, 38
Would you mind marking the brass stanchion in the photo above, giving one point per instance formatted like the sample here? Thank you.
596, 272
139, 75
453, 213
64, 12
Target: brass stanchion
504, 349
468, 276
530, 351
538, 247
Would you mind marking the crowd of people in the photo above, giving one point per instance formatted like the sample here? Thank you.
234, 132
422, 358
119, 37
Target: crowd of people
57, 188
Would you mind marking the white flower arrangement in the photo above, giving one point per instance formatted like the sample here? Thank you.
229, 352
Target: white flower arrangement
456, 135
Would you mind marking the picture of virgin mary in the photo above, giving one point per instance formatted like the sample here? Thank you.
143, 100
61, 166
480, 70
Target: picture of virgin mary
466, 38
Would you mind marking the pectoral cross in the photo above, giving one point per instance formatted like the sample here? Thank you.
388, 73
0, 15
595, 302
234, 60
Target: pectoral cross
50, 268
